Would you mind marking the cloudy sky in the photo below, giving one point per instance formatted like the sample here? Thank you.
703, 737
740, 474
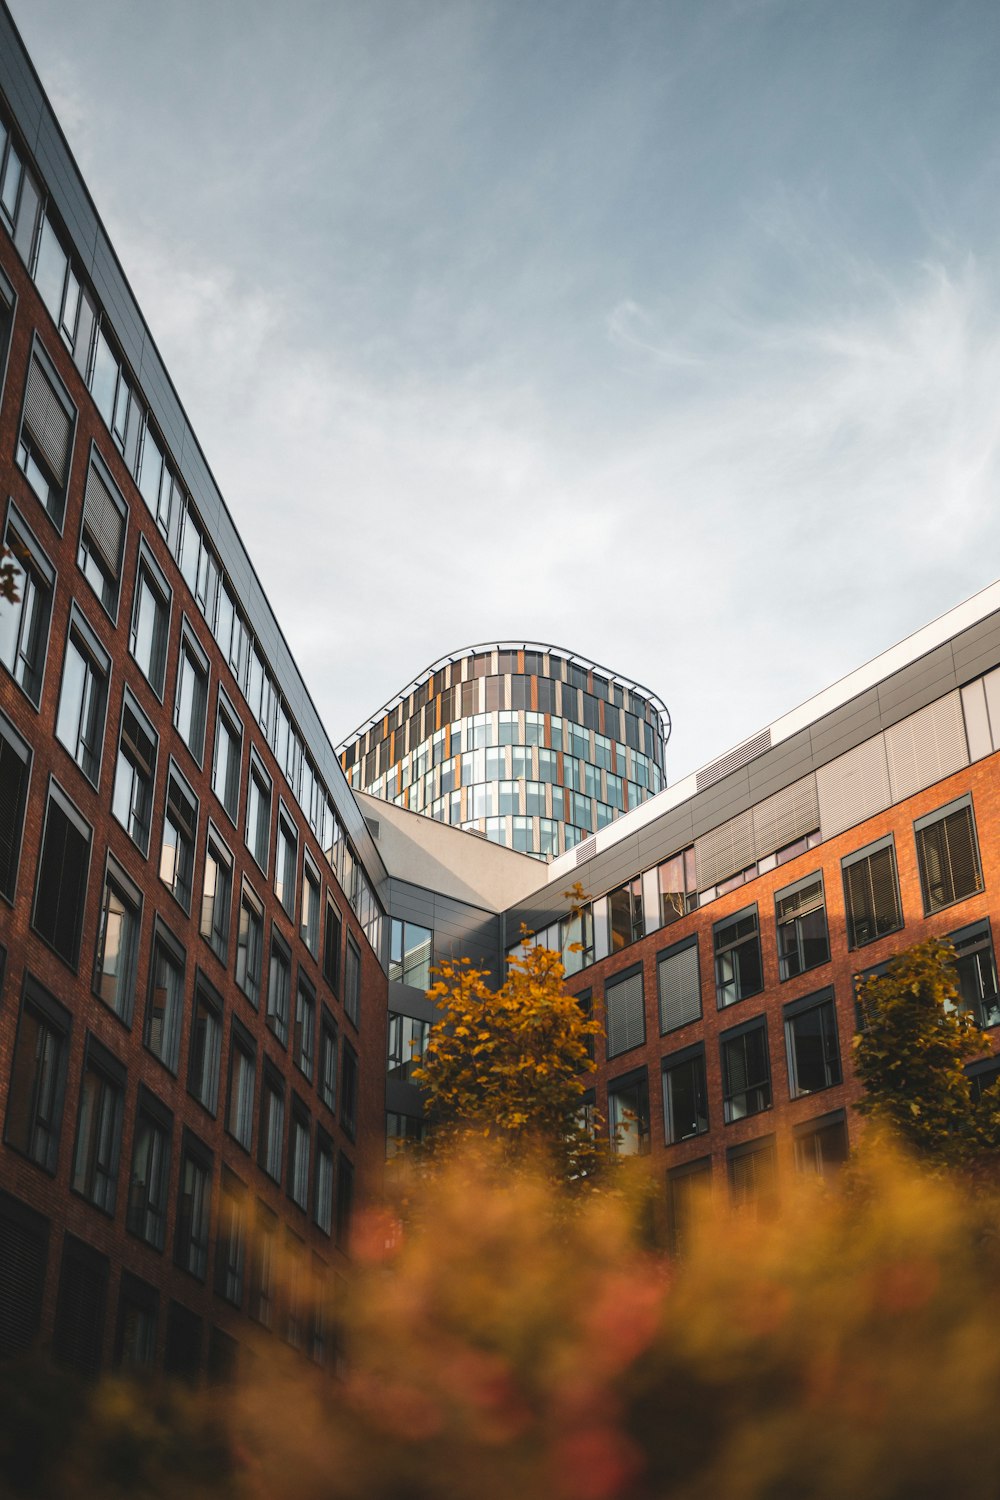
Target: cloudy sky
665, 330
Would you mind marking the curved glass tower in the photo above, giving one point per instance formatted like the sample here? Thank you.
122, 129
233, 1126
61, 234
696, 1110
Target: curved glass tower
531, 745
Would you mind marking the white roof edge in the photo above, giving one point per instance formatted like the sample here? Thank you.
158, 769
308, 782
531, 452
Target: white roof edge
910, 649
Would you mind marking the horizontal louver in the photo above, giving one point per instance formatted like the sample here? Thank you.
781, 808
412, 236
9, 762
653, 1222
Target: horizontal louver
79, 1324
22, 1277
926, 747
680, 989
104, 521
624, 1016
853, 787
949, 859
725, 850
47, 421
806, 898
786, 816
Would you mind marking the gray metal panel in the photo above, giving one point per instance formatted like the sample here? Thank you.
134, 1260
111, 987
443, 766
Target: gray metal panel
786, 762
846, 726
72, 202
407, 1001
725, 850
977, 649
403, 1098
785, 816
926, 746
853, 787
919, 683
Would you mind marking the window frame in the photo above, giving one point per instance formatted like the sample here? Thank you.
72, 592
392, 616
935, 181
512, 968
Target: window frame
204, 1069
55, 794
164, 939
148, 569
821, 1001
96, 466
865, 855
721, 952
942, 816
218, 931
190, 651
131, 703
85, 1176
241, 1040
250, 984
672, 1063
81, 636
271, 1016
35, 566
57, 486
727, 1039
22, 751
636, 1078
131, 897
47, 1012
154, 1112
784, 952
225, 712
175, 776
259, 773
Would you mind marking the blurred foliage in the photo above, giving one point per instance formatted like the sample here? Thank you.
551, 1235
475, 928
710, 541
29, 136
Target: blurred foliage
9, 574
910, 1053
512, 1340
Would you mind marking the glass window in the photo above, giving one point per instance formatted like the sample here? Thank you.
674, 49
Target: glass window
180, 824
118, 943
102, 536
192, 697
147, 1197
624, 1013
83, 699
625, 914
279, 988
746, 1072
217, 893
738, 967
349, 1090
678, 884
976, 971
242, 1082
679, 986
250, 946
323, 1189
309, 915
258, 833
61, 881
410, 952
352, 983
800, 913
298, 1156
164, 1008
407, 1044
150, 626
821, 1145
285, 858
871, 893
230, 1247
24, 626
628, 1115
331, 947
99, 1125
226, 765
948, 855
272, 1124
305, 1029
206, 1047
15, 767
345, 1202
753, 1176
685, 1096
813, 1048
132, 799
38, 1078
327, 1083
46, 438
193, 1208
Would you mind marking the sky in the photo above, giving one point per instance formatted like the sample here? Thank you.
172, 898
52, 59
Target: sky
667, 331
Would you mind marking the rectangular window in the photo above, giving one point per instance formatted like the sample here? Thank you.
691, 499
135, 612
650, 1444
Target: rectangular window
132, 798
135, 1336
61, 882
349, 1090
624, 1012
678, 886
685, 1095
230, 1247
150, 621
298, 1155
262, 1262
242, 1084
180, 827
83, 698
679, 985
15, 770
871, 893
821, 1145
118, 942
205, 1051
746, 1071
311, 897
327, 1082
191, 703
323, 1185
228, 755
812, 1045
976, 970
217, 893
689, 1189
99, 1127
410, 954
38, 1078
250, 945
102, 534
352, 983
738, 966
194, 1207
148, 1183
331, 947
800, 914
948, 855
24, 626
753, 1176
628, 1114
345, 1202
258, 832
46, 439
305, 1028
285, 858
272, 1122
164, 1008
279, 989
407, 1044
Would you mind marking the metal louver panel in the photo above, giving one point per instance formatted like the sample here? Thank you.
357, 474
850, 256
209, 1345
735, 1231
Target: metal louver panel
725, 850
853, 787
741, 756
926, 746
79, 1323
104, 521
22, 1279
47, 421
679, 988
806, 898
785, 817
624, 1017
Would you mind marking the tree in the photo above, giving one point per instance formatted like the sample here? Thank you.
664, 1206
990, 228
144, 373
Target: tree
508, 1064
910, 1052
9, 572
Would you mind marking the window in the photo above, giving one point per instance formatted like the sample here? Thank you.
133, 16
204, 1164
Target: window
46, 439
685, 1095
311, 897
118, 942
262, 1259
871, 893
285, 856
298, 1155
323, 1184
24, 627
305, 1028
217, 893
738, 968
147, 1195
345, 1202
407, 1044
679, 985
948, 855
164, 1008
258, 832
230, 1248
272, 1122
624, 1012
180, 826
206, 1045
800, 914
99, 1127
191, 703
193, 1207
61, 882
80, 1303
410, 954
279, 989
228, 754
102, 534
135, 1337
84, 696
15, 768
678, 886
821, 1145
811, 1040
242, 1082
352, 983
625, 914
689, 1189
628, 1114
150, 621
132, 798
331, 947
38, 1077
349, 1090
250, 945
746, 1071
976, 971
753, 1176
327, 1059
